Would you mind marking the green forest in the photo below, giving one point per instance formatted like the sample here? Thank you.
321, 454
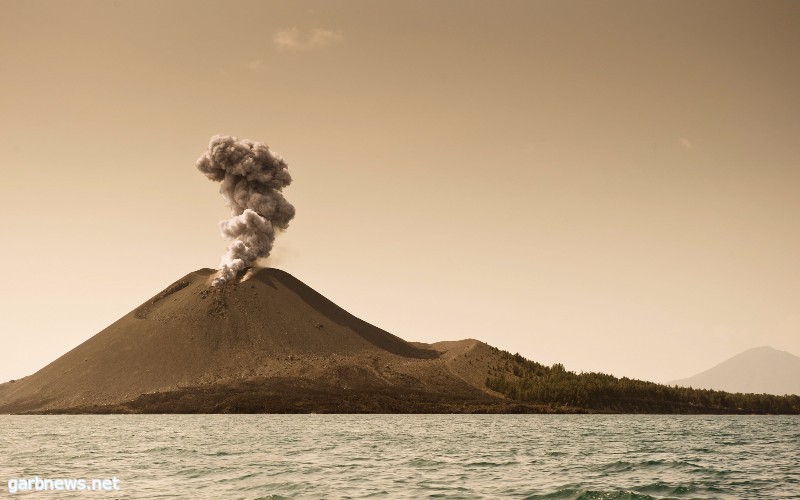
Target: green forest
524, 380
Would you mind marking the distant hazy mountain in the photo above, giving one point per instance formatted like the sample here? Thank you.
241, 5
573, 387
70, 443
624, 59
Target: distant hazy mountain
758, 370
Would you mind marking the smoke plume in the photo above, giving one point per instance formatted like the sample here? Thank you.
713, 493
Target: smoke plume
252, 178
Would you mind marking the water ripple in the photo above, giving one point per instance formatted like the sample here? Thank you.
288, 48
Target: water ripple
409, 456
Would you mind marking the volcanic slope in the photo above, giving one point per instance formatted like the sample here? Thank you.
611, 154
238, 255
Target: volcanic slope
266, 344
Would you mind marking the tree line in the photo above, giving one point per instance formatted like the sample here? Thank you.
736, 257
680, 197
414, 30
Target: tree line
525, 380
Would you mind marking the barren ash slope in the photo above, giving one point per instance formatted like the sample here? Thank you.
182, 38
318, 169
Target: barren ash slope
266, 344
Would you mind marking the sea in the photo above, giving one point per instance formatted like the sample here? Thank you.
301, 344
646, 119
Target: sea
399, 456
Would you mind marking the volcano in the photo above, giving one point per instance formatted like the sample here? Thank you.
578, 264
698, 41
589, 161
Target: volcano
268, 343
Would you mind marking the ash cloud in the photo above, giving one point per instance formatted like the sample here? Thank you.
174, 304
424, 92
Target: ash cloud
252, 177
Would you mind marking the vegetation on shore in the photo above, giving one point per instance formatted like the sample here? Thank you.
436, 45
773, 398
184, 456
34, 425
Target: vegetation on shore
528, 381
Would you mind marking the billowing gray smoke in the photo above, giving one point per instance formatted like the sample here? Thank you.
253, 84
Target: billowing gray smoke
252, 178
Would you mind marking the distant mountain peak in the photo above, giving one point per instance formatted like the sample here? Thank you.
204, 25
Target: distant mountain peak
762, 348
762, 369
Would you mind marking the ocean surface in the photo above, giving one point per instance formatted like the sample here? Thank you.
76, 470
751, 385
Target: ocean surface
403, 456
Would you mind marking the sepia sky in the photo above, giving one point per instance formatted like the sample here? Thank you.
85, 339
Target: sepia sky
612, 185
